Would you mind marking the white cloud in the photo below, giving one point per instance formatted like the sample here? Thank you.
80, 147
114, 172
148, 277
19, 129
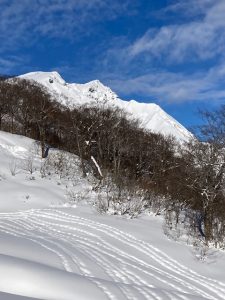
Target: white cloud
199, 39
175, 87
182, 61
23, 21
189, 8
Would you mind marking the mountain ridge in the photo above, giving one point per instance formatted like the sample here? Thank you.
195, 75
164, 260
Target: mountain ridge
151, 116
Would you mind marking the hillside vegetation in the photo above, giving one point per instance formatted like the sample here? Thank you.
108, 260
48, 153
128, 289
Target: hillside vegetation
136, 169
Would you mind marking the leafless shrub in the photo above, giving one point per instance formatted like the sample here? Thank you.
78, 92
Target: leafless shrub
101, 204
75, 197
28, 164
130, 206
14, 167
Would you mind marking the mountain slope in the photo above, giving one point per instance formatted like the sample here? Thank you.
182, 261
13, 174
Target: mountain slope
51, 251
150, 115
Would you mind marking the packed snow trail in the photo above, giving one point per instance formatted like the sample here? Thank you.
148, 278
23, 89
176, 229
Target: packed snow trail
64, 256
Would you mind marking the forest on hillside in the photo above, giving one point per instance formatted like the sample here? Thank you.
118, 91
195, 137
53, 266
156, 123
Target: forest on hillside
180, 181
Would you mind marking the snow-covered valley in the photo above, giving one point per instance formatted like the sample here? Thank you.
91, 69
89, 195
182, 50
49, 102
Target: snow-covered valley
52, 248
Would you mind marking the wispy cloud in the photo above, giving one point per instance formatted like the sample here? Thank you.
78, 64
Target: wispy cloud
175, 62
175, 87
191, 8
199, 39
23, 22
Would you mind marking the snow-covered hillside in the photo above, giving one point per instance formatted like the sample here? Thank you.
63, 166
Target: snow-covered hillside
52, 250
151, 116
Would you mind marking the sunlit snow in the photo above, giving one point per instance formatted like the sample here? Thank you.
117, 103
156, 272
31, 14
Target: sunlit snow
52, 250
150, 115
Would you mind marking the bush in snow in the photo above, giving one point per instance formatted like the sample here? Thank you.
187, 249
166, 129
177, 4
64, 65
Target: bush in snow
14, 167
57, 163
28, 164
119, 200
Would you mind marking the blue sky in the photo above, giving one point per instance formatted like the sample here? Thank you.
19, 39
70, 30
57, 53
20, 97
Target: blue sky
171, 52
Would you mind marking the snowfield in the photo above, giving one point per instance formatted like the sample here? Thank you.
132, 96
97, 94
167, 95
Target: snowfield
52, 250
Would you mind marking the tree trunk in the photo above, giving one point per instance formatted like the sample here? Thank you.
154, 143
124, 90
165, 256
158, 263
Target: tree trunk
207, 227
80, 153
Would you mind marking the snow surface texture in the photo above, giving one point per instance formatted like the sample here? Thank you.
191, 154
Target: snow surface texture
51, 251
150, 115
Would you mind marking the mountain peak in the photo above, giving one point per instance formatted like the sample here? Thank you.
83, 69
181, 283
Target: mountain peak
96, 82
151, 116
44, 77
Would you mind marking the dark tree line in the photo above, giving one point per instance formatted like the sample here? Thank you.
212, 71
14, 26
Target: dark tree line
189, 177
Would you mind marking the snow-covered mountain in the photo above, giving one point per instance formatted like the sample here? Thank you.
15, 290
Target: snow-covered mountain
150, 115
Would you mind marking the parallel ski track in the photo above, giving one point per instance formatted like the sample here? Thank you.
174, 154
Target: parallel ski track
136, 267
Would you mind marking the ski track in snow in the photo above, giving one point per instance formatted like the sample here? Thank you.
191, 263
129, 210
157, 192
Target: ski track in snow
101, 252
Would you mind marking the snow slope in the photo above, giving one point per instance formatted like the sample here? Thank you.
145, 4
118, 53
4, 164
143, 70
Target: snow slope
24, 190
151, 116
51, 251
21, 191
